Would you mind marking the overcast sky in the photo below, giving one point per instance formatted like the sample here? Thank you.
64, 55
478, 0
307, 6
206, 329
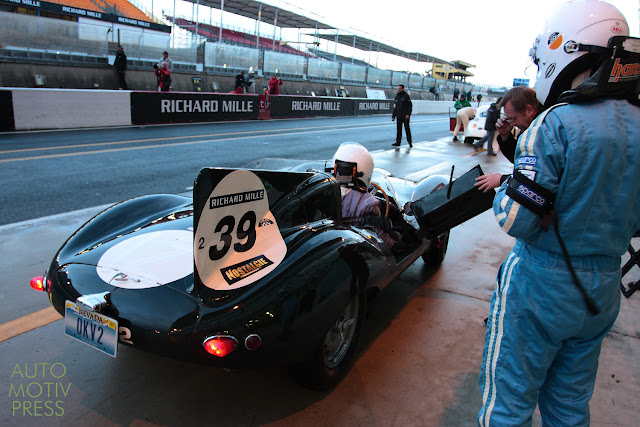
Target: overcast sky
493, 35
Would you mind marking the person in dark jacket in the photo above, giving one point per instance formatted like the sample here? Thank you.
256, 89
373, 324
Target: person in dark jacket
402, 110
240, 82
120, 64
490, 126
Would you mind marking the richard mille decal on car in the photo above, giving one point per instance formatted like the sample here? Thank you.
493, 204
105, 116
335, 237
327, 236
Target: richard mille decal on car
148, 260
237, 240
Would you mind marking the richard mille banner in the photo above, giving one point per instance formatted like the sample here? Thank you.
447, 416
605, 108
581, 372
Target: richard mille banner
373, 106
311, 106
85, 13
179, 107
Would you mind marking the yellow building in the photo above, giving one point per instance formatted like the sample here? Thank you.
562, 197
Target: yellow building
455, 70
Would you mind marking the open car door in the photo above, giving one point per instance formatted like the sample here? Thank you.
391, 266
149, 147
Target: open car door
453, 204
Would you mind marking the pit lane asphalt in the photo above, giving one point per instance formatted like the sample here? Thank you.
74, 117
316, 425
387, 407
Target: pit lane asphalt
418, 359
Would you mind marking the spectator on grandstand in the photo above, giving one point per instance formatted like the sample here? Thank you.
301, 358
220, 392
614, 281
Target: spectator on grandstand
274, 85
250, 85
164, 77
240, 82
165, 58
120, 64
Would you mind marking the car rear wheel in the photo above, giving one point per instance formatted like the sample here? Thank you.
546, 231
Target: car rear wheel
437, 251
334, 358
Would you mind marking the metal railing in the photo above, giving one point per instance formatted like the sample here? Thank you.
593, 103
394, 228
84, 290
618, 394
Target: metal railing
29, 36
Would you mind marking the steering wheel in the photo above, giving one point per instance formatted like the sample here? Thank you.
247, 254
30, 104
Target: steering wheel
386, 198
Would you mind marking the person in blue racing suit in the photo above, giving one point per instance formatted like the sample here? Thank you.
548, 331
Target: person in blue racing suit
545, 326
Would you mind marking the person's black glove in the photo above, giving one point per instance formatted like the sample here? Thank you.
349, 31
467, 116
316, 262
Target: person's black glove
155, 66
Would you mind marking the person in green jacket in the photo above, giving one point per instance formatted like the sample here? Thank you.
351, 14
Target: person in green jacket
462, 102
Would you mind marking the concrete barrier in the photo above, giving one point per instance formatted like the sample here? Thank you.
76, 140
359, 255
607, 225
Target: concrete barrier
35, 109
63, 109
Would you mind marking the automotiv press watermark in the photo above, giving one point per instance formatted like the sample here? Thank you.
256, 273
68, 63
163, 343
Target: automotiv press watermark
37, 389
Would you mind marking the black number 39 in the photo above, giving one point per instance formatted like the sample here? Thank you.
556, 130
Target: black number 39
246, 230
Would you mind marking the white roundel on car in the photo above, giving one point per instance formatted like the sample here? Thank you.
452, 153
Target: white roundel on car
148, 260
237, 240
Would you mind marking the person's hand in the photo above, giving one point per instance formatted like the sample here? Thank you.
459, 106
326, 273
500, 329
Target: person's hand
503, 127
393, 118
488, 182
155, 66
408, 117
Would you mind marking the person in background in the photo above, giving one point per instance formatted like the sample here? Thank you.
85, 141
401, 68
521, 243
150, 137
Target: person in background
240, 83
250, 85
274, 85
462, 102
120, 65
402, 111
464, 113
493, 113
165, 58
576, 171
163, 76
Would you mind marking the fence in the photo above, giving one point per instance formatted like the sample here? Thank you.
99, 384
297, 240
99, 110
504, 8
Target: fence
54, 39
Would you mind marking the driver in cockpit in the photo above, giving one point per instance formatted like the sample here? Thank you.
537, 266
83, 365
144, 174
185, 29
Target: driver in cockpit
352, 168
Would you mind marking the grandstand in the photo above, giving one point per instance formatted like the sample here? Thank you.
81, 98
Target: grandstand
85, 33
212, 33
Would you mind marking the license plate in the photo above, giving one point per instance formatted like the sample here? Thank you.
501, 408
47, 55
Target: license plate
94, 329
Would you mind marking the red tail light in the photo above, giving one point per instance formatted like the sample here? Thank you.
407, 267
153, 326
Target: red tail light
220, 345
37, 283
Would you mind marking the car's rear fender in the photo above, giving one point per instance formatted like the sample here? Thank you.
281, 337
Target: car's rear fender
121, 219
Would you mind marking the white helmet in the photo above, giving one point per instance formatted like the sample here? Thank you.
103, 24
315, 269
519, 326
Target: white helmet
556, 50
352, 163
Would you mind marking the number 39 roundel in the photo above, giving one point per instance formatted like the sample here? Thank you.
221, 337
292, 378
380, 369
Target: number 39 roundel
237, 240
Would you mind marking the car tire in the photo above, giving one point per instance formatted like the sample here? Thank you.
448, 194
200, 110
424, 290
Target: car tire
336, 354
437, 251
469, 140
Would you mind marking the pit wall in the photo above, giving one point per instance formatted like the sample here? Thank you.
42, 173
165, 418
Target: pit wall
34, 109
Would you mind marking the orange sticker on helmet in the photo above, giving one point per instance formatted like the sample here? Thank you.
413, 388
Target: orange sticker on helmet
555, 40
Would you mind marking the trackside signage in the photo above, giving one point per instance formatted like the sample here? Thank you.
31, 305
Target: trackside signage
373, 106
176, 107
309, 106
86, 13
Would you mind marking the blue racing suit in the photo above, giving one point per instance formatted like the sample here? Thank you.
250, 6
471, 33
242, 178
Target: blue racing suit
542, 345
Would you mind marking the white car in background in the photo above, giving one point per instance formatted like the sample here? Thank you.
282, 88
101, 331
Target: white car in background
476, 129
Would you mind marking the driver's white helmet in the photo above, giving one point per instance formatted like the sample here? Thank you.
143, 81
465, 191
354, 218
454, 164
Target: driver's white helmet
352, 162
555, 51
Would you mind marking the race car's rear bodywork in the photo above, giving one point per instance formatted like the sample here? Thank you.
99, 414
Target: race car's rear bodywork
261, 261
